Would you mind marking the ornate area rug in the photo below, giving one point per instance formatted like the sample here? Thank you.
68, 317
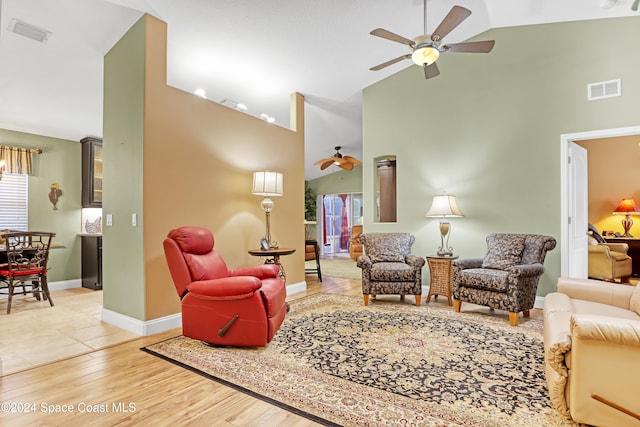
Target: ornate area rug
340, 363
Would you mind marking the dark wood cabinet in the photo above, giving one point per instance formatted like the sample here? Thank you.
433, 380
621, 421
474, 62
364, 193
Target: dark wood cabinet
92, 262
91, 172
633, 252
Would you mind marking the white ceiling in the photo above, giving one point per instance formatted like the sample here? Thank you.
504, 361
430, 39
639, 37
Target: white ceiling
255, 52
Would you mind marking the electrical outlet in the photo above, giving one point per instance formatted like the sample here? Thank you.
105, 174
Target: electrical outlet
134, 220
109, 220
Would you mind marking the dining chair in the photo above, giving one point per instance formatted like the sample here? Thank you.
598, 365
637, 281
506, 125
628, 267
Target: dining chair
25, 263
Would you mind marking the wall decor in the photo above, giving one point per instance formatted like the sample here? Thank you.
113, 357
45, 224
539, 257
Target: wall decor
54, 195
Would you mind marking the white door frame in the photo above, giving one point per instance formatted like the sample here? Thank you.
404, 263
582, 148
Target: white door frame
567, 190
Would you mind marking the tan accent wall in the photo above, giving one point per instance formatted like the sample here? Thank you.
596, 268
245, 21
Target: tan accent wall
198, 162
614, 174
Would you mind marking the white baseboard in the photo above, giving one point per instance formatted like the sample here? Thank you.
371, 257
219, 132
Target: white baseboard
296, 287
65, 284
58, 286
140, 327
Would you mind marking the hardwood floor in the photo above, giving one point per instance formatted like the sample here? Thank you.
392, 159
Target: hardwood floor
121, 385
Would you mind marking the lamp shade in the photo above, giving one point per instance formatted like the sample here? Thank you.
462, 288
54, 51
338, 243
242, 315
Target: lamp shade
444, 206
267, 184
627, 207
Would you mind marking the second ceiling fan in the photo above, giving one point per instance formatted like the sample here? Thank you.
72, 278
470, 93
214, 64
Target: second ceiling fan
344, 162
427, 48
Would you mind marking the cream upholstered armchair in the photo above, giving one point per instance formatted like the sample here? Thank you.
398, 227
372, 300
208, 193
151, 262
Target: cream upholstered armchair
388, 266
592, 349
608, 261
506, 278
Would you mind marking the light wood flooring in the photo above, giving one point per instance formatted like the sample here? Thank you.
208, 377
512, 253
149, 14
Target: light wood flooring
121, 385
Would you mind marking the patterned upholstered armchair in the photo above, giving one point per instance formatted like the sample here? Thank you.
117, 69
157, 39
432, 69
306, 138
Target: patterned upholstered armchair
388, 267
506, 278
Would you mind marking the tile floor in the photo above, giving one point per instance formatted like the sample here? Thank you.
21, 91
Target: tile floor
36, 333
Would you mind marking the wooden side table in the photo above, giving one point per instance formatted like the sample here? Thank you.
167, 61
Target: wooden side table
440, 269
273, 257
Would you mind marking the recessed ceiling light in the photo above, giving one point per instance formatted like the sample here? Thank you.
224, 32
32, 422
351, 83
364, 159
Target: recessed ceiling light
234, 104
200, 92
267, 118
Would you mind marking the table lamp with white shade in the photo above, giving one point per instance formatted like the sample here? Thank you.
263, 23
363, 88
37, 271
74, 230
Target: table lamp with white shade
267, 184
444, 206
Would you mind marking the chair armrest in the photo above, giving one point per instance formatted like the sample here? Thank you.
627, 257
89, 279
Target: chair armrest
617, 247
601, 251
465, 263
414, 261
527, 269
364, 261
604, 329
262, 271
596, 291
237, 287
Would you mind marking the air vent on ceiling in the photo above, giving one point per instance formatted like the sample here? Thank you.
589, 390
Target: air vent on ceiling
602, 90
28, 30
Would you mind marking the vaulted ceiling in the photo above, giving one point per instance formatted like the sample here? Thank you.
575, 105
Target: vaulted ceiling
253, 52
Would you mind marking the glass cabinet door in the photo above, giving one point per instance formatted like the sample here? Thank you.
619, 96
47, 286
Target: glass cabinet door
91, 172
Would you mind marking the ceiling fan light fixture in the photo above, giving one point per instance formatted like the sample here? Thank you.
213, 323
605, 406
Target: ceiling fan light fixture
425, 54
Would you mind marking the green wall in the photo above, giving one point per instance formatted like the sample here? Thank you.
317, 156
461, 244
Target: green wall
338, 182
123, 249
488, 130
59, 162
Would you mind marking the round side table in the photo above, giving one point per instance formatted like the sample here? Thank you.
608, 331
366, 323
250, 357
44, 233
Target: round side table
273, 257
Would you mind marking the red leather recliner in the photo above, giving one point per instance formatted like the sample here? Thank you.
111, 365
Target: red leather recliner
243, 307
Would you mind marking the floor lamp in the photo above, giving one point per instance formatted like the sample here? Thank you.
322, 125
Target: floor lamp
443, 207
267, 184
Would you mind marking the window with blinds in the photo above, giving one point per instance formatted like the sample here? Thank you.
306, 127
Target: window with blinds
13, 202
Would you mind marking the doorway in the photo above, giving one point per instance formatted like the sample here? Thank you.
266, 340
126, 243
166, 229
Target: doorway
573, 210
340, 212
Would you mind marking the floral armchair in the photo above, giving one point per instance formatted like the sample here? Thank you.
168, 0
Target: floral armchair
506, 278
388, 268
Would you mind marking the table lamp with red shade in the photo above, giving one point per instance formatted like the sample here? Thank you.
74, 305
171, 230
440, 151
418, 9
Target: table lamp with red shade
627, 207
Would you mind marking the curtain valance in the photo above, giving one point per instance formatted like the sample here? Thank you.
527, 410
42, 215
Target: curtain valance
17, 159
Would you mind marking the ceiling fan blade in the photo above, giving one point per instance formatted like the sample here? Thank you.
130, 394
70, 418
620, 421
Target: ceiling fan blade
470, 47
385, 34
456, 15
393, 61
352, 160
347, 166
322, 161
326, 164
431, 71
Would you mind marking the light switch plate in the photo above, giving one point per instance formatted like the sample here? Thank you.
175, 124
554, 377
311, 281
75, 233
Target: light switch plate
109, 220
134, 220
